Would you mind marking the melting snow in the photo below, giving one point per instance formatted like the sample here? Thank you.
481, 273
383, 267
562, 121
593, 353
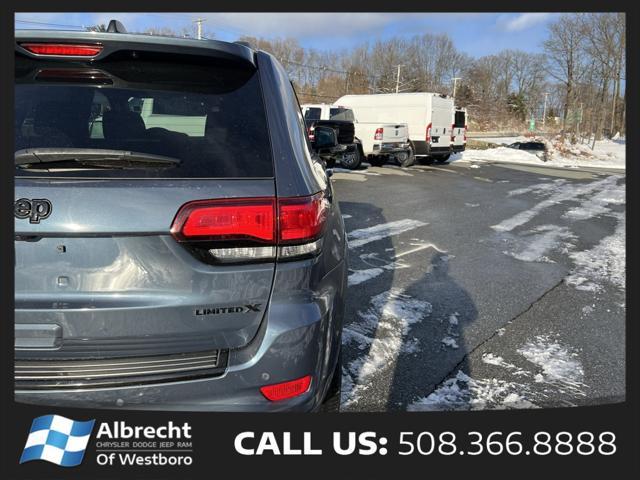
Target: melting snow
465, 393
359, 276
380, 330
541, 243
558, 363
450, 342
560, 193
605, 261
362, 236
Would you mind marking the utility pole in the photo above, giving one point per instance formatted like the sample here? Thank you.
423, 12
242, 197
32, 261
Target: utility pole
455, 84
398, 79
544, 109
198, 22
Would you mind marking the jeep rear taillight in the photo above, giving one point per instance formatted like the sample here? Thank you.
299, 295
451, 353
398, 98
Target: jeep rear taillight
251, 228
224, 220
301, 219
378, 134
62, 49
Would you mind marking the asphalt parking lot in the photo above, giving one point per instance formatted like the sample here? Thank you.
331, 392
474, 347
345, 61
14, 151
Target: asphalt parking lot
483, 286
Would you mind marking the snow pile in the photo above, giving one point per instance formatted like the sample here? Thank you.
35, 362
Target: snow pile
606, 153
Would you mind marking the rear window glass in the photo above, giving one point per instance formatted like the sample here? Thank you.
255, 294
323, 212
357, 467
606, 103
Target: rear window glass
312, 114
459, 120
341, 114
210, 116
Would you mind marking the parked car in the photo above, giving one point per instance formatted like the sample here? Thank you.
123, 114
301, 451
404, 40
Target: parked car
376, 141
349, 151
539, 149
195, 263
459, 130
428, 116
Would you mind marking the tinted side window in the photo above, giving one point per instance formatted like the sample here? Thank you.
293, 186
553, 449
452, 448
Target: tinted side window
312, 113
341, 114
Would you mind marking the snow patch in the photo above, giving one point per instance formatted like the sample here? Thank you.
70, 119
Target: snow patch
558, 363
558, 193
362, 236
540, 244
450, 342
359, 276
380, 331
465, 393
605, 261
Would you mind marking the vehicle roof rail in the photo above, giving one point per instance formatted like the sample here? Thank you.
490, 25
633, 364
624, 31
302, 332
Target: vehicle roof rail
116, 26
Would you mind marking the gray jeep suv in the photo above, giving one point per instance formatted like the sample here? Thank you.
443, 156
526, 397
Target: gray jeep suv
177, 244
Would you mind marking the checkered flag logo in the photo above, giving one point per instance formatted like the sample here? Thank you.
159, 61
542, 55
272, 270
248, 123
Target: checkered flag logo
57, 440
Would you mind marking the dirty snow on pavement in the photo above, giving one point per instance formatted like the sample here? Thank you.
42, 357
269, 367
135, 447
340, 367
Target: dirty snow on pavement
380, 334
550, 367
605, 261
560, 192
362, 236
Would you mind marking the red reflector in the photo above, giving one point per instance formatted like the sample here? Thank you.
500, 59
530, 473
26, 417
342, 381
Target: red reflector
61, 49
378, 134
301, 219
227, 219
285, 390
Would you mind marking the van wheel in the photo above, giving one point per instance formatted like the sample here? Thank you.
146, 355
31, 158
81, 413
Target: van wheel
331, 403
443, 158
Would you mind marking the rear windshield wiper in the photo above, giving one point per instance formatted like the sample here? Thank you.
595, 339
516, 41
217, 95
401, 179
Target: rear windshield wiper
45, 159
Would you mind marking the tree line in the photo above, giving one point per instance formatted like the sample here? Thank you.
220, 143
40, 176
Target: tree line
575, 85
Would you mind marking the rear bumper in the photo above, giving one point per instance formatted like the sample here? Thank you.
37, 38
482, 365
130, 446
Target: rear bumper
458, 148
422, 148
299, 336
389, 148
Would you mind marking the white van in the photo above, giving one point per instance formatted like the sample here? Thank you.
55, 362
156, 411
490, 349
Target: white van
429, 116
380, 140
459, 130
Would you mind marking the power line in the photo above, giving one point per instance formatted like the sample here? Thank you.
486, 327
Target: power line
33, 22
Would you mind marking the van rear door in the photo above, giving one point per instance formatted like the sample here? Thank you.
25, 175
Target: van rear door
395, 132
459, 134
441, 113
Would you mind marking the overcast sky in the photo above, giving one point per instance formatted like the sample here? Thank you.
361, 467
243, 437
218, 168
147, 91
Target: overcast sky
474, 33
